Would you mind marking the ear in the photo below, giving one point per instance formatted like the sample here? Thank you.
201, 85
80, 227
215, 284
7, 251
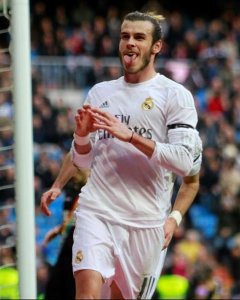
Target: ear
156, 48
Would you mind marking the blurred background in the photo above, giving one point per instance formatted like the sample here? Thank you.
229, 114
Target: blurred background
74, 44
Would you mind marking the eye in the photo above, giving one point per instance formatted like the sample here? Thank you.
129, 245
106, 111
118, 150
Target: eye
124, 36
140, 37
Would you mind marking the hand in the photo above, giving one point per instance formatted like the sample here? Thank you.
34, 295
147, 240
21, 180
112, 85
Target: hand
106, 121
84, 121
169, 229
47, 198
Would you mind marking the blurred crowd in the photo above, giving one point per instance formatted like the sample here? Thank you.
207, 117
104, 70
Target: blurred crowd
201, 53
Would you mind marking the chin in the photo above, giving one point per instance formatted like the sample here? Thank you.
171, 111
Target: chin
131, 69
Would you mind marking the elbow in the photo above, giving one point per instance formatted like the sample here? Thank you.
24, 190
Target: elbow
184, 167
175, 158
182, 173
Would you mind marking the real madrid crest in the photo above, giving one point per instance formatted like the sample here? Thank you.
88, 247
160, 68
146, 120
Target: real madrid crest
148, 104
79, 257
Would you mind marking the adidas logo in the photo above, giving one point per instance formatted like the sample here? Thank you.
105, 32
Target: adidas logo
104, 105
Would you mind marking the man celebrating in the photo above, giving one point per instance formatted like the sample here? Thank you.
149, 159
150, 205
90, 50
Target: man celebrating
136, 134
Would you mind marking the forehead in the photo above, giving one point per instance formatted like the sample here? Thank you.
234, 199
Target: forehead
133, 27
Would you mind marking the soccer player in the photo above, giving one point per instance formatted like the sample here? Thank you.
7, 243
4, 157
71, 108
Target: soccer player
136, 134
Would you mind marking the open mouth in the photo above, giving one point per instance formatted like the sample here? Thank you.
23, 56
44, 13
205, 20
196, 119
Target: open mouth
129, 57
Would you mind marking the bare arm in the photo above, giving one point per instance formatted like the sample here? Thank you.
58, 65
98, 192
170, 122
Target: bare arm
185, 197
67, 171
187, 193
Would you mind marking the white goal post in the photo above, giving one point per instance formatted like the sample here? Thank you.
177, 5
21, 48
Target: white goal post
23, 135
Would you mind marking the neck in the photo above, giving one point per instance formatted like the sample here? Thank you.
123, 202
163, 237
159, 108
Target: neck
139, 76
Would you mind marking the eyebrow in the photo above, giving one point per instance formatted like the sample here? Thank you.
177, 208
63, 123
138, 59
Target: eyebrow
135, 33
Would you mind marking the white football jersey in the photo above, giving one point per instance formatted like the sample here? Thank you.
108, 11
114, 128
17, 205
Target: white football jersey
125, 186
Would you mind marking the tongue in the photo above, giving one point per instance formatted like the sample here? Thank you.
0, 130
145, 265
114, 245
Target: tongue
129, 59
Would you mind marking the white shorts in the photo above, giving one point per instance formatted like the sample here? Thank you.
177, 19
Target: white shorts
132, 257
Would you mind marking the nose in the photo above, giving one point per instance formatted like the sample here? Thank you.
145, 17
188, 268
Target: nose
131, 42
130, 46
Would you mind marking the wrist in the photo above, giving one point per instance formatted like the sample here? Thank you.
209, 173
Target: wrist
177, 216
131, 138
57, 186
81, 140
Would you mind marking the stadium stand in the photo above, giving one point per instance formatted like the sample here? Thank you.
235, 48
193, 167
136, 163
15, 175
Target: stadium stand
74, 46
